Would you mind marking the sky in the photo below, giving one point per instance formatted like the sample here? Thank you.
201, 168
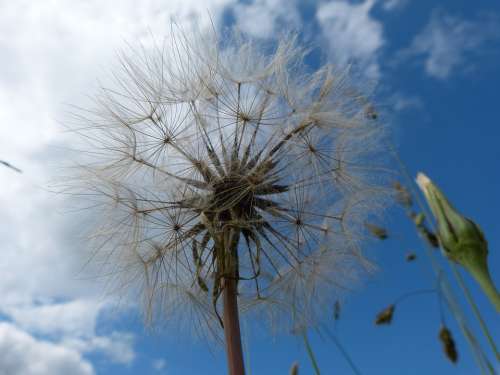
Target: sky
434, 69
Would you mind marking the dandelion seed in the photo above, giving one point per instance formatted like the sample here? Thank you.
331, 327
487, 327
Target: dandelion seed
231, 177
294, 370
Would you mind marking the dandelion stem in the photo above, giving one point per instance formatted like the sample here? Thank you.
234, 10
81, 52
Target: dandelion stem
232, 331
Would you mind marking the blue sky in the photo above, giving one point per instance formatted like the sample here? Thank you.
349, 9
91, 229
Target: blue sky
436, 70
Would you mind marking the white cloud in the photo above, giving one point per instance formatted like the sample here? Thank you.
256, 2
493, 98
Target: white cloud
348, 29
394, 4
352, 34
264, 18
77, 317
22, 354
402, 102
446, 42
159, 364
117, 346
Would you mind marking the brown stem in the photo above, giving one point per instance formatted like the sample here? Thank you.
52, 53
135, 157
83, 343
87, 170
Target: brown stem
232, 329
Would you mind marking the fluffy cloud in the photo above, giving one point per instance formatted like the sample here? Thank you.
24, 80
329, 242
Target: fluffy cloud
22, 354
74, 318
264, 18
117, 346
352, 34
159, 364
393, 4
446, 42
401, 102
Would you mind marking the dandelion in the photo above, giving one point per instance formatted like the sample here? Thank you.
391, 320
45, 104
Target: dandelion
233, 179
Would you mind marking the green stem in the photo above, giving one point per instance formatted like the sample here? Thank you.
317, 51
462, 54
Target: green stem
342, 350
310, 352
445, 287
486, 283
475, 309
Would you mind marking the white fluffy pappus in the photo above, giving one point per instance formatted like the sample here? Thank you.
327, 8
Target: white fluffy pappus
218, 158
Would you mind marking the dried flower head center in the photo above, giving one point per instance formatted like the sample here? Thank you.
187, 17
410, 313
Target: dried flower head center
236, 197
233, 194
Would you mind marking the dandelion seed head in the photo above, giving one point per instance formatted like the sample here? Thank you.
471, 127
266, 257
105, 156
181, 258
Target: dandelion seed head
219, 158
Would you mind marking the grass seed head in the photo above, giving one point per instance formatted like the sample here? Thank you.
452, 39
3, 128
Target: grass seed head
448, 344
410, 257
385, 316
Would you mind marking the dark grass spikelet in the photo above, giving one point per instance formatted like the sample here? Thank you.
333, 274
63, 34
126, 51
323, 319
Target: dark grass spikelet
385, 316
410, 257
403, 196
376, 231
430, 238
449, 347
336, 310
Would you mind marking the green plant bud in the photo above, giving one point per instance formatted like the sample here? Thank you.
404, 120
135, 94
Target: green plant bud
461, 240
